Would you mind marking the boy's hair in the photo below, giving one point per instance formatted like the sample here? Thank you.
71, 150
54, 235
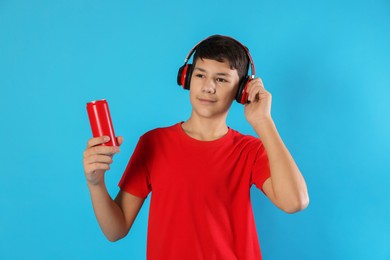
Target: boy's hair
222, 48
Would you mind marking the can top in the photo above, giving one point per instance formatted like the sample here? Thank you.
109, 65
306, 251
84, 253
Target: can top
95, 101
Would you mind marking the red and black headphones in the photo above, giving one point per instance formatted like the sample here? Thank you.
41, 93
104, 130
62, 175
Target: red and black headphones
185, 72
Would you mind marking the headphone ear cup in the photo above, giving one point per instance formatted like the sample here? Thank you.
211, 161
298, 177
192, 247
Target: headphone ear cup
180, 75
188, 76
242, 95
184, 76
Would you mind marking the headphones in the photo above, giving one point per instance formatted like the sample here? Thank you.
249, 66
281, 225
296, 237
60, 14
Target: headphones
185, 72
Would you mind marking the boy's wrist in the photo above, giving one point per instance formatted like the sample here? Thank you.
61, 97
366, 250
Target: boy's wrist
262, 122
97, 185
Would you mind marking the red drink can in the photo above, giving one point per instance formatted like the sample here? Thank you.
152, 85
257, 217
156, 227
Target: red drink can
100, 120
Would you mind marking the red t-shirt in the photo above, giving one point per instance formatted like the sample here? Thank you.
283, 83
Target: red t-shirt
200, 206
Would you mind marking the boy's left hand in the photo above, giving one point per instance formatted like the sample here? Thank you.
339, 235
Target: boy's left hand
259, 106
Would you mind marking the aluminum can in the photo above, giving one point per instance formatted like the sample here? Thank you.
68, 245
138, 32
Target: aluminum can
100, 120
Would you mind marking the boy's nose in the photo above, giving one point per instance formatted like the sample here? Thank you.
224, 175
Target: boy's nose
208, 87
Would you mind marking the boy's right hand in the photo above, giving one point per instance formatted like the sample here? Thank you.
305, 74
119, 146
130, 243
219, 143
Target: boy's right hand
97, 158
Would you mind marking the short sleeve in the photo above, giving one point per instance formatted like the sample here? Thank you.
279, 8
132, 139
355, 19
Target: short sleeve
136, 178
260, 169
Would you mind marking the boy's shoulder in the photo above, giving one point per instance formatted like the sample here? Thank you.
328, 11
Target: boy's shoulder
241, 135
159, 131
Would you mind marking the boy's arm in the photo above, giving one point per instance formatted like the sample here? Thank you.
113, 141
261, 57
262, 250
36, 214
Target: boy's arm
115, 217
286, 187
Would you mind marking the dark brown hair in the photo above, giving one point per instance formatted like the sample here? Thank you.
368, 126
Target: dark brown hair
223, 48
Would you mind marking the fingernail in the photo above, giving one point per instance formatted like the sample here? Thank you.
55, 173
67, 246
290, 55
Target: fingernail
106, 138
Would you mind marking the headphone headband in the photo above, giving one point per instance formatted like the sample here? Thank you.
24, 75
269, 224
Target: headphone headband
253, 69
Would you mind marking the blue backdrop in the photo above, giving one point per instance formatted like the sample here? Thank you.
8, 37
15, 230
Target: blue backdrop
326, 63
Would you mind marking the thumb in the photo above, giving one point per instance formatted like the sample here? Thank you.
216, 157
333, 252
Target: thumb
120, 140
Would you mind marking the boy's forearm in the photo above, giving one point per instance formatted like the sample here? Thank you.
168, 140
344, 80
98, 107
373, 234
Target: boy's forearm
287, 181
107, 212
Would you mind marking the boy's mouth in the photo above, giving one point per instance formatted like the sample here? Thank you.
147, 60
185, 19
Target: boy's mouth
206, 100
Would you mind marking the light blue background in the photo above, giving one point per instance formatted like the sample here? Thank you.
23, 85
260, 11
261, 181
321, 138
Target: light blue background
326, 63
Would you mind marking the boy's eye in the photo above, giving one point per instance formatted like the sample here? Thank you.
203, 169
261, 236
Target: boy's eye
199, 75
221, 80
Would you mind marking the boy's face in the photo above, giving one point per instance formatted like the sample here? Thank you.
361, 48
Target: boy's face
213, 88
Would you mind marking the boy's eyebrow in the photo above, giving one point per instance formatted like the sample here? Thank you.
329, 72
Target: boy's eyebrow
219, 73
202, 70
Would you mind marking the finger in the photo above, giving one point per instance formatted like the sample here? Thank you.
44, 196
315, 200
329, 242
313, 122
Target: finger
97, 140
255, 81
97, 166
260, 81
97, 158
248, 90
254, 92
103, 150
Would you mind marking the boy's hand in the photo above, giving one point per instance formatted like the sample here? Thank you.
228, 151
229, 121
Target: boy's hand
260, 100
97, 158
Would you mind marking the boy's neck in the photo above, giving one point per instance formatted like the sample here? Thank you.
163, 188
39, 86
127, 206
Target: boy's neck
205, 129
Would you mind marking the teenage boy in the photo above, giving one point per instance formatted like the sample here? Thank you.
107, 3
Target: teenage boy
200, 171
